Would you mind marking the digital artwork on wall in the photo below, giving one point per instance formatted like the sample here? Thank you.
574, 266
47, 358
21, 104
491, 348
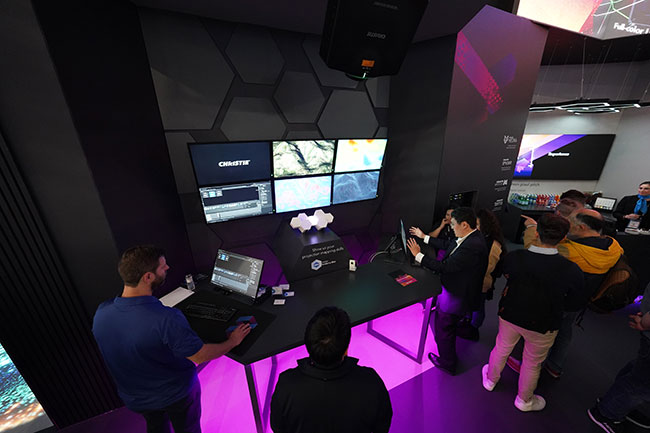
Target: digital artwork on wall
359, 154
563, 156
303, 157
18, 405
302, 193
604, 19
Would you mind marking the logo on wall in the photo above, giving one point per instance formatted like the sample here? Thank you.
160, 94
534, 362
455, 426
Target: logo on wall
316, 265
501, 185
498, 204
506, 164
510, 142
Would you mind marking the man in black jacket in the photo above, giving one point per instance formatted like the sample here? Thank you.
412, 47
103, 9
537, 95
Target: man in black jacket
329, 392
532, 305
461, 272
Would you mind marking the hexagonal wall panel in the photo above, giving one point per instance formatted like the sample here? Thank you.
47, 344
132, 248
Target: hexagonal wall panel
382, 132
190, 75
326, 75
181, 163
255, 55
303, 135
348, 114
299, 97
252, 119
379, 90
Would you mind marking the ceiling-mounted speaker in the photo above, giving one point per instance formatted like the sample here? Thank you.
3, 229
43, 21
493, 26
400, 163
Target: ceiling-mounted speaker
369, 38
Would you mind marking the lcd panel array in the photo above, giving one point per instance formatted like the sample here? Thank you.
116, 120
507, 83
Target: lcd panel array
244, 179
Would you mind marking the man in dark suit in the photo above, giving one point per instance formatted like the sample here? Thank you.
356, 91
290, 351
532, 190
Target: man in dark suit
461, 272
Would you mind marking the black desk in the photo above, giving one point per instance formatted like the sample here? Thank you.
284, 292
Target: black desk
366, 294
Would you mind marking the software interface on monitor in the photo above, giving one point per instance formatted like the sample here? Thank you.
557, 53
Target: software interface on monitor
223, 203
604, 203
237, 272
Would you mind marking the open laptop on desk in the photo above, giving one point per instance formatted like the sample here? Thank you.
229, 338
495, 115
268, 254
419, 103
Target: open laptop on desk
237, 275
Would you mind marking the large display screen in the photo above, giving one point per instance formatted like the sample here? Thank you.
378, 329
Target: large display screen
604, 19
302, 193
221, 163
563, 156
223, 203
304, 157
351, 187
359, 155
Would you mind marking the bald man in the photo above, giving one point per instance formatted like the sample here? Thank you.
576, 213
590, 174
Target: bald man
595, 254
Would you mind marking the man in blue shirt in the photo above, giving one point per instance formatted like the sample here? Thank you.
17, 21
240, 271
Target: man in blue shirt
150, 349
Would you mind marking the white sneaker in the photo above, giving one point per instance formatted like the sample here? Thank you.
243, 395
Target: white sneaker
535, 403
487, 383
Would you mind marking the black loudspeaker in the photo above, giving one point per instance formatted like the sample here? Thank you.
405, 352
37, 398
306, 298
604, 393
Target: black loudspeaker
369, 38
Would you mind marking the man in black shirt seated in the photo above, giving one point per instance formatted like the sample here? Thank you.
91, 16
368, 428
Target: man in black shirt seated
329, 392
539, 281
634, 208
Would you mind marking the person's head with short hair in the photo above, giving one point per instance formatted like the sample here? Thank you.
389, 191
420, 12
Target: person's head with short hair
327, 336
586, 222
143, 264
552, 229
567, 206
463, 221
644, 188
576, 195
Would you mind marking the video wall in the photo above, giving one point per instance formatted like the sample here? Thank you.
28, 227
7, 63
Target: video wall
245, 179
604, 19
563, 156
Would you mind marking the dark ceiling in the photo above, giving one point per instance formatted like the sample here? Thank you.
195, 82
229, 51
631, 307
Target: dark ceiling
440, 19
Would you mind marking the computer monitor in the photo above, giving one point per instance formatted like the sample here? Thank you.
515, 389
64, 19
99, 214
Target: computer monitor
237, 273
223, 203
302, 157
302, 193
605, 203
349, 187
402, 233
359, 155
233, 162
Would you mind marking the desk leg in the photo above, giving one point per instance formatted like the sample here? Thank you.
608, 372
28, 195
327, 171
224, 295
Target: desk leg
262, 415
417, 357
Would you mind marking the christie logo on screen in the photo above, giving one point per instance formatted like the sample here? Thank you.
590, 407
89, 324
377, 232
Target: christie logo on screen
234, 163
316, 265
554, 154
509, 139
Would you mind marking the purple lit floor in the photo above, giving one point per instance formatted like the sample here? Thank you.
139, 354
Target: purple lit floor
425, 399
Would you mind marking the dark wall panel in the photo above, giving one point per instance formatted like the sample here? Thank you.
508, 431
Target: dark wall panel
118, 123
418, 108
496, 63
292, 96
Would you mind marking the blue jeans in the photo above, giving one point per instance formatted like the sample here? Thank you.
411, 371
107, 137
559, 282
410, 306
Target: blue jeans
558, 353
631, 387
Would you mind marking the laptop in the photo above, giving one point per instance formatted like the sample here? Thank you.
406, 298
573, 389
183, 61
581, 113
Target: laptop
237, 275
605, 204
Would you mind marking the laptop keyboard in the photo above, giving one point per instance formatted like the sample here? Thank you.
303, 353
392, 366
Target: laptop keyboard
203, 310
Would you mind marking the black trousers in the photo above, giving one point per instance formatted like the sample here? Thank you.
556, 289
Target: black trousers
445, 326
184, 415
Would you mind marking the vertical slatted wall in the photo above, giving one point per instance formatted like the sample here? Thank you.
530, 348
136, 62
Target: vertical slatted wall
43, 325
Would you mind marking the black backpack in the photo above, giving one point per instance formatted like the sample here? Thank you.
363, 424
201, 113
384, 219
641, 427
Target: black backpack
619, 288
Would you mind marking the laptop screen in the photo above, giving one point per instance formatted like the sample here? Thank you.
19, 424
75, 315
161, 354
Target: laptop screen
604, 203
237, 273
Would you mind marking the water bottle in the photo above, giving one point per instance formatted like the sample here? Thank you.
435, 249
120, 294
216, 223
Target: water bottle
189, 282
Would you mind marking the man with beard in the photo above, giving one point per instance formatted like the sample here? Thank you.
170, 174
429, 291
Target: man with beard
151, 350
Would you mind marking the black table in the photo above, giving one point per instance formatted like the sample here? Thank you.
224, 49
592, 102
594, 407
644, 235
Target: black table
366, 294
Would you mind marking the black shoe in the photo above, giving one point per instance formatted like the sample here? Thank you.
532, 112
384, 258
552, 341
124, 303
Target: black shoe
435, 360
607, 424
638, 418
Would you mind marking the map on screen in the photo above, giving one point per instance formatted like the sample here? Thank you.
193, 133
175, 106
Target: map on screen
303, 157
358, 155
